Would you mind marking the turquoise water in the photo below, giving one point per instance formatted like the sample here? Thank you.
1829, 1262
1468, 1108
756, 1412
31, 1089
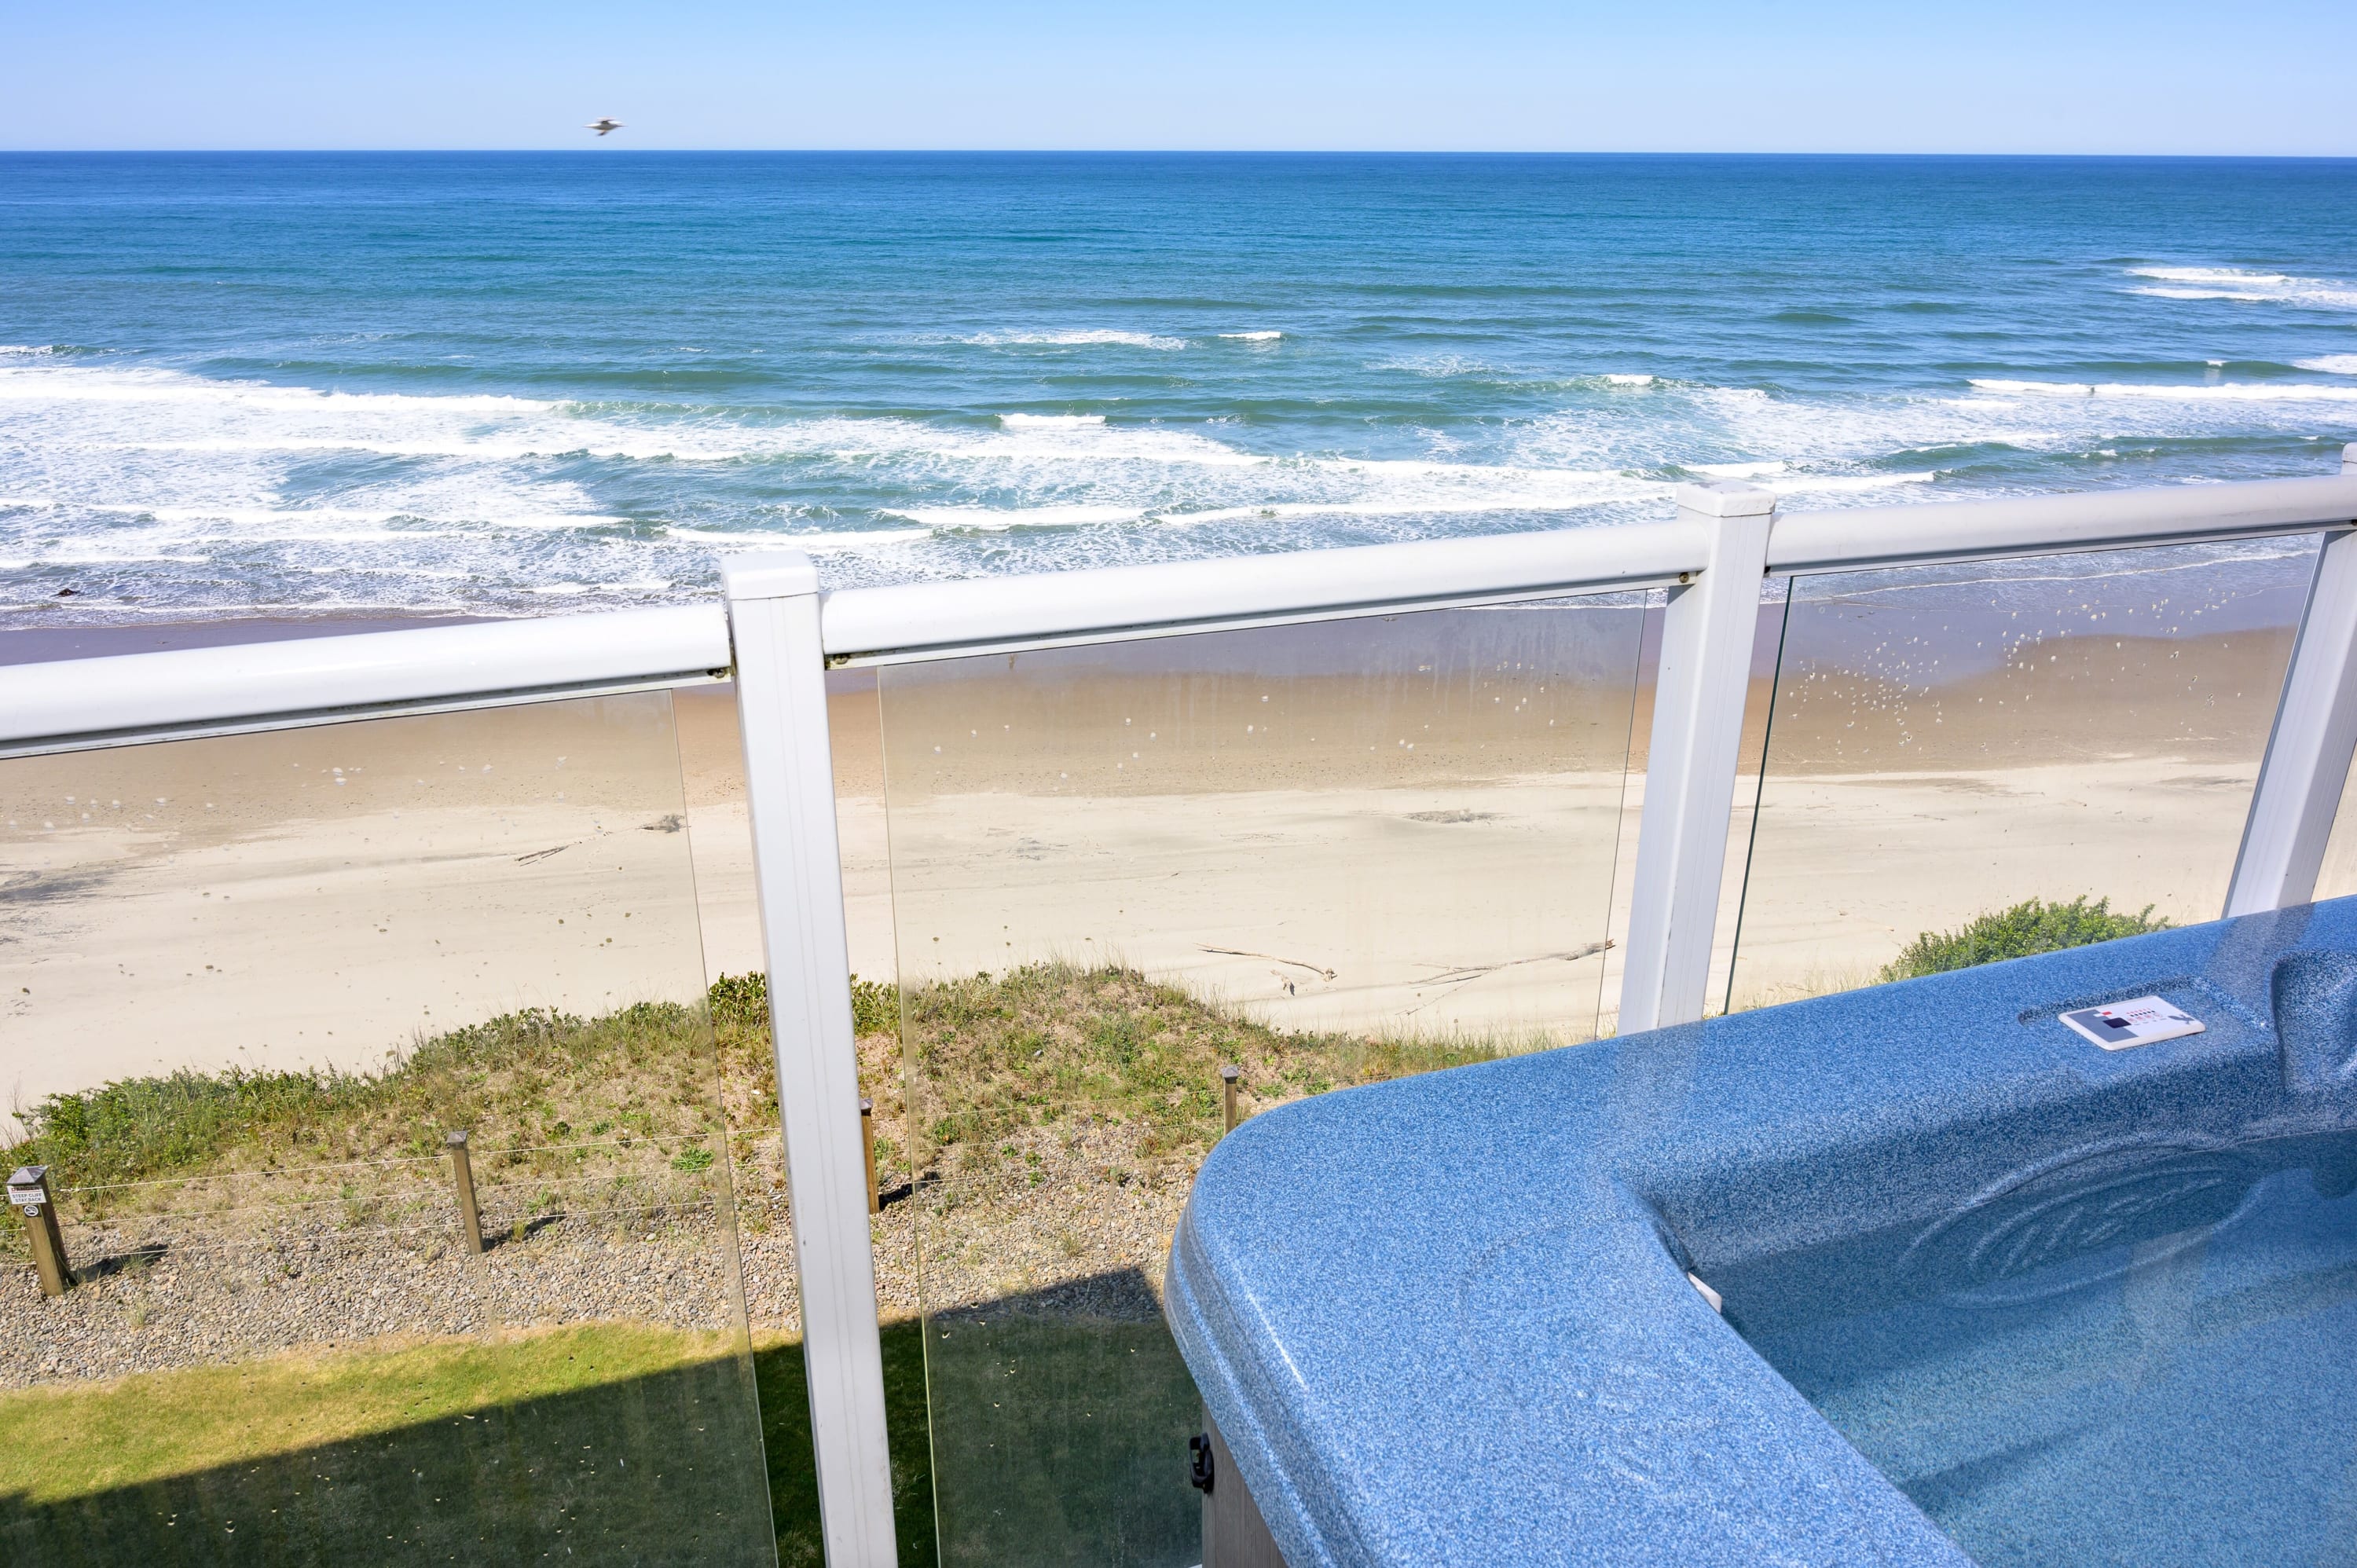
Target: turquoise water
431, 382
2184, 1399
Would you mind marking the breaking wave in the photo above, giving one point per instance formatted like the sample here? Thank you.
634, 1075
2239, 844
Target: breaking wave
2246, 286
193, 495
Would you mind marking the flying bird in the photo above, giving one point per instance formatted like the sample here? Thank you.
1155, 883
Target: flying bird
603, 125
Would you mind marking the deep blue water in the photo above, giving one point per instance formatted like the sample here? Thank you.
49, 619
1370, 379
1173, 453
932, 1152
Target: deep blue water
338, 383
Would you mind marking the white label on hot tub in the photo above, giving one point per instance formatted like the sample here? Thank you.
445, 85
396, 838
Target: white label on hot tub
2137, 1023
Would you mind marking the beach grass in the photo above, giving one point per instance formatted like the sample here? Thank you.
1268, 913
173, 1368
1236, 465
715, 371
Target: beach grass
534, 1078
1036, 1044
1051, 1044
2027, 927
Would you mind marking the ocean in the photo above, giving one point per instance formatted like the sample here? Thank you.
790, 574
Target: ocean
349, 385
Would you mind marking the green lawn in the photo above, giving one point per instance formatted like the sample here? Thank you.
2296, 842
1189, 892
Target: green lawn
793, 1481
605, 1444
1061, 1443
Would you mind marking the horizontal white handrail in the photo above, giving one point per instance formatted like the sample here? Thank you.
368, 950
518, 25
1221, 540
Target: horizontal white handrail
928, 618
81, 701
939, 620
1901, 535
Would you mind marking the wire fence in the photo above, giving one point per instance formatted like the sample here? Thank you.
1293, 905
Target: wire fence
657, 1140
359, 1238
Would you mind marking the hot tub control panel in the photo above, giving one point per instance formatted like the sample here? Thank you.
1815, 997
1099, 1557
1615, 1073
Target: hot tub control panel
2142, 1022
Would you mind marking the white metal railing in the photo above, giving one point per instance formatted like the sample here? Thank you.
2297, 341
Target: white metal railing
75, 704
778, 632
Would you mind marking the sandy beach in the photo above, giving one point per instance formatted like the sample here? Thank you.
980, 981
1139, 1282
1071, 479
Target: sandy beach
318, 897
1405, 849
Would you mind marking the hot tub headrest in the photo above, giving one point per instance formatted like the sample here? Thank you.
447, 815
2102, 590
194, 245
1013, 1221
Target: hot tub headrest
2315, 1000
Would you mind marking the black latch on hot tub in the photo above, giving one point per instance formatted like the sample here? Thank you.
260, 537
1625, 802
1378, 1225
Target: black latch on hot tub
1199, 1464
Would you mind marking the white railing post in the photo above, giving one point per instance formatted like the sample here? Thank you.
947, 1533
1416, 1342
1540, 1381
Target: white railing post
2307, 764
773, 617
1706, 672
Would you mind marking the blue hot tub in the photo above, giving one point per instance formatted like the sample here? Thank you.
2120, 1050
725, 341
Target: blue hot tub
1989, 1293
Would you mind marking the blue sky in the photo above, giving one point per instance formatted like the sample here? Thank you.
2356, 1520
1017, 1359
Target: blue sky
2164, 76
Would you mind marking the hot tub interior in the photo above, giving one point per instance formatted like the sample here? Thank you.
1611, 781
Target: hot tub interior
2139, 1355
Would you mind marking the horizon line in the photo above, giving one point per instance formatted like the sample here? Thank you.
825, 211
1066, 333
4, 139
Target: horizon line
617, 150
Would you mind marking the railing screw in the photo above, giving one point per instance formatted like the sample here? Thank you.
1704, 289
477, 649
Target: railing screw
867, 1143
462, 1173
28, 1194
1229, 1073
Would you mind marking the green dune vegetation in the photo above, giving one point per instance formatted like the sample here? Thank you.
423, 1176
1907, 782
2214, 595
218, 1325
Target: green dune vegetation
417, 1445
2030, 927
626, 1438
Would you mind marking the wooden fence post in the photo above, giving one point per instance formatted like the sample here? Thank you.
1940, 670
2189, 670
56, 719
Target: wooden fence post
28, 1194
462, 1173
867, 1143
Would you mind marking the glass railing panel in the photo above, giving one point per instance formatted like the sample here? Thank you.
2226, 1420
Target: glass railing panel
712, 762
2076, 733
1318, 854
2337, 877
256, 985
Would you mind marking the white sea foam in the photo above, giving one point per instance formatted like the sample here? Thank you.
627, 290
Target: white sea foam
1101, 337
1440, 367
1630, 378
175, 483
765, 537
84, 385
340, 525
2330, 364
998, 520
2246, 286
2224, 392
1839, 484
839, 542
1253, 337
